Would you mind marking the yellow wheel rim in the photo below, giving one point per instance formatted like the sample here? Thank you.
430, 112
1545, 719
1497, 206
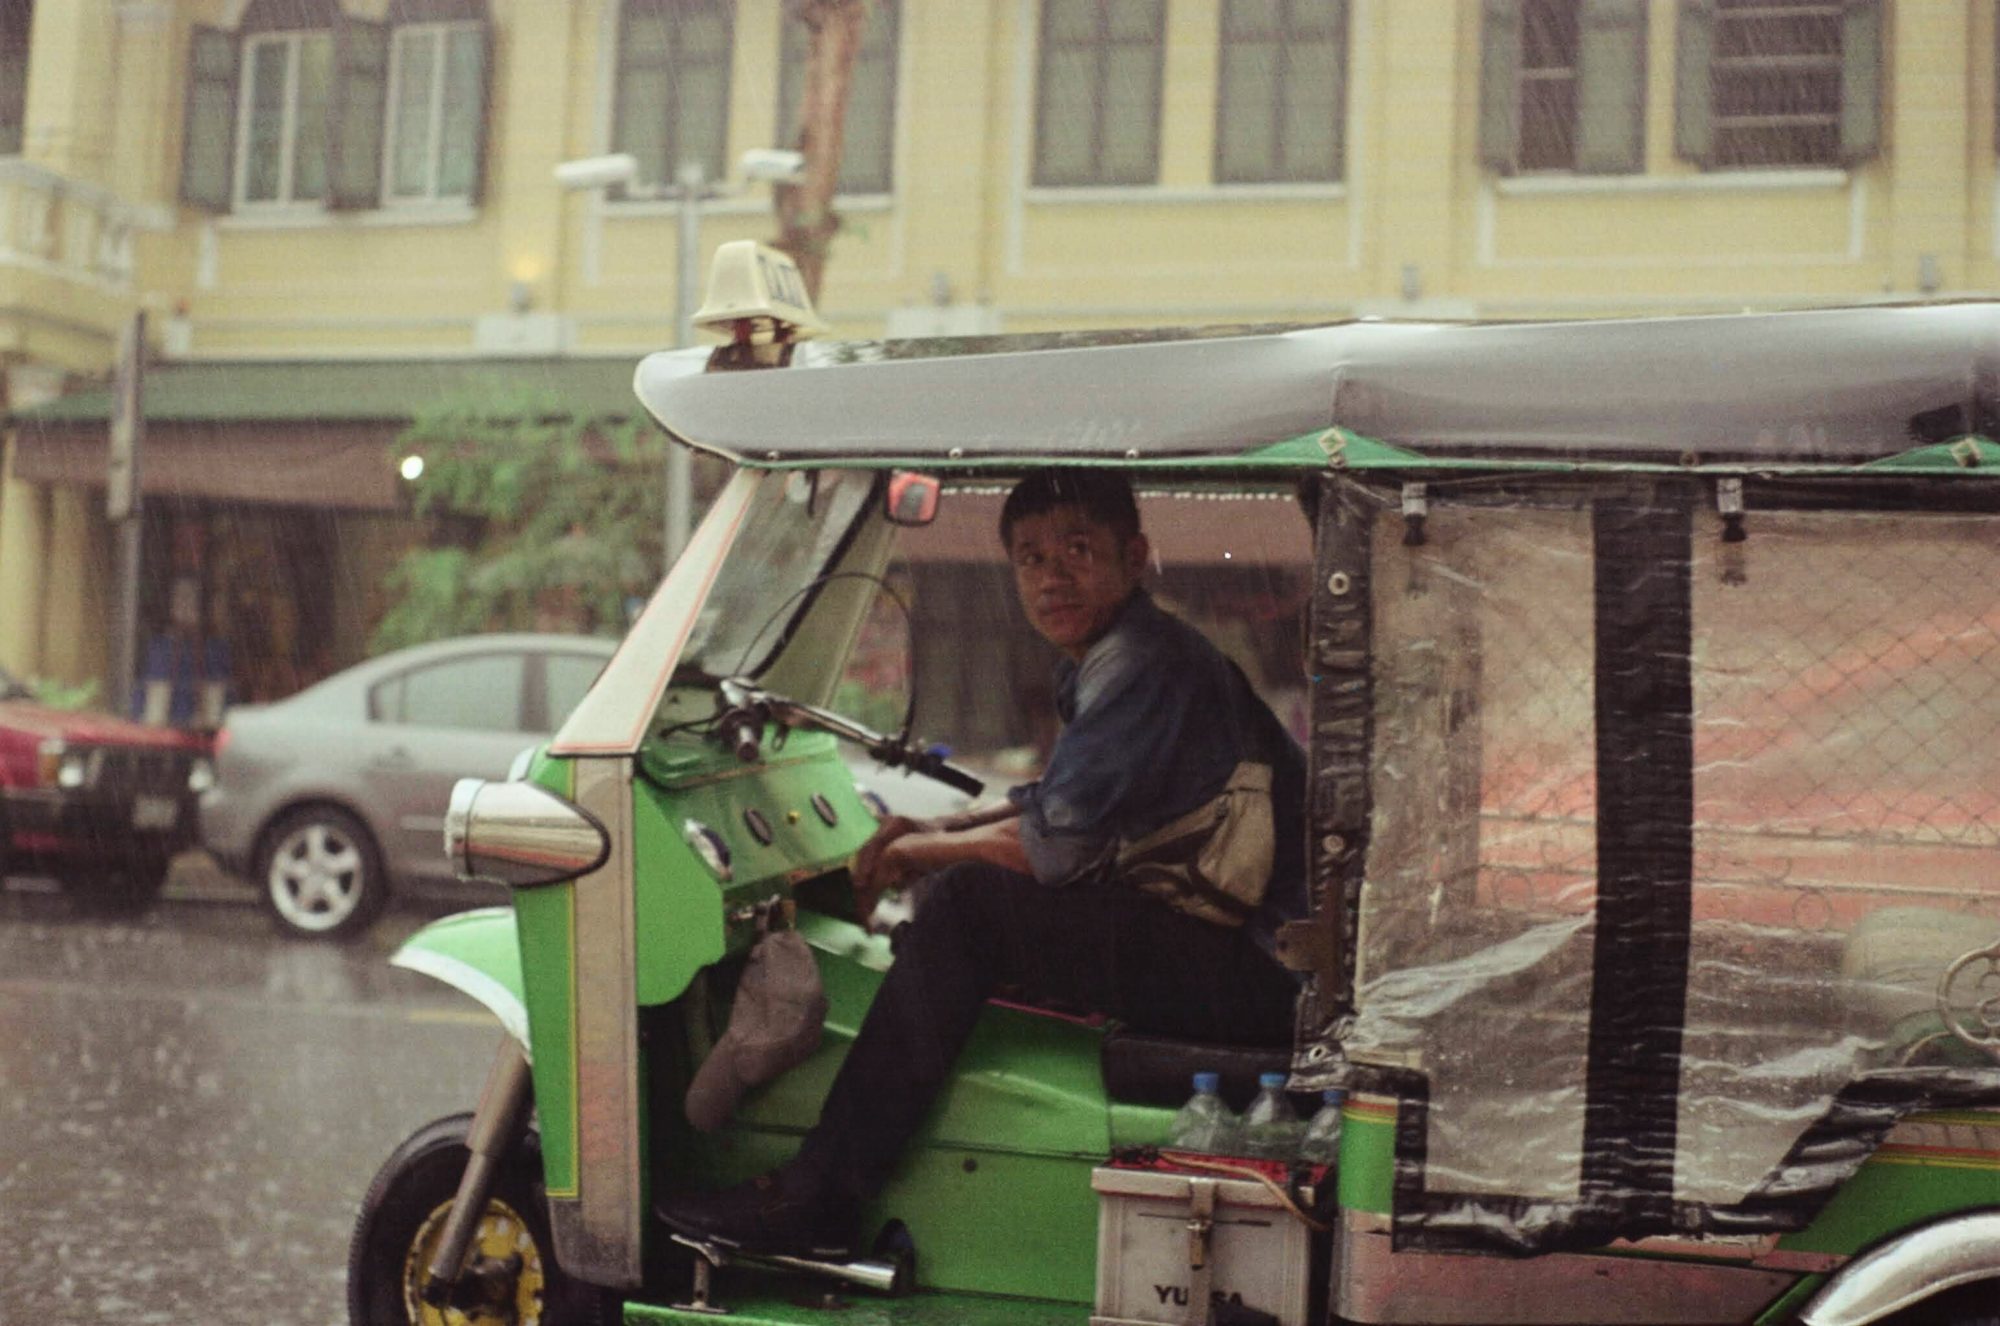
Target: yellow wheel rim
502, 1236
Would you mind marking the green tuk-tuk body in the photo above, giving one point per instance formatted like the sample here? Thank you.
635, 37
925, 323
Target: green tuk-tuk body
1652, 682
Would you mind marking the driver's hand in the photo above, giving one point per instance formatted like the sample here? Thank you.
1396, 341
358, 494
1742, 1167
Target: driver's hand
875, 871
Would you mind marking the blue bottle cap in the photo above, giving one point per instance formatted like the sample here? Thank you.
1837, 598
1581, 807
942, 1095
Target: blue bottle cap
1208, 1082
1270, 1079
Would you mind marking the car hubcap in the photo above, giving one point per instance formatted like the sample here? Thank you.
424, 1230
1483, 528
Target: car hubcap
503, 1277
316, 877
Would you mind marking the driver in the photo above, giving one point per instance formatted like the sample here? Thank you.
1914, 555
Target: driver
1026, 894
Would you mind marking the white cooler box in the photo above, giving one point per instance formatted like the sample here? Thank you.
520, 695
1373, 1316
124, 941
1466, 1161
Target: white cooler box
1153, 1228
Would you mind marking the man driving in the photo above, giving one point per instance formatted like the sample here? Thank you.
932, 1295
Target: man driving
1040, 892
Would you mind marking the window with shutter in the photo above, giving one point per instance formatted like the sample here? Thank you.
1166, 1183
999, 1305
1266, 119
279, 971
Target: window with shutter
867, 159
1563, 85
1281, 98
672, 97
17, 17
210, 130
1097, 113
1787, 82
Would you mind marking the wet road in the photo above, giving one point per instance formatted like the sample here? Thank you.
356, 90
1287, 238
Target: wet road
192, 1107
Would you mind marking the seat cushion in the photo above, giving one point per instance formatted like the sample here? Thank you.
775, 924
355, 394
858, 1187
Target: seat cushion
1153, 1070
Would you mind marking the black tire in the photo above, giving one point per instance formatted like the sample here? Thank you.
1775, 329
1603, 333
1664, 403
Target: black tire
404, 1213
319, 873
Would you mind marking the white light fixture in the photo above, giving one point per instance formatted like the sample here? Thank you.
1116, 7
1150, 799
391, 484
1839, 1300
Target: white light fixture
598, 172
412, 468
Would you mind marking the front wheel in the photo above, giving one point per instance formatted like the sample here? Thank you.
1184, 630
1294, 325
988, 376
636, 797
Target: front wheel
510, 1270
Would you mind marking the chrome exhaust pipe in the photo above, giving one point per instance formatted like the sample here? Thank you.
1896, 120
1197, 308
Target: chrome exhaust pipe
880, 1276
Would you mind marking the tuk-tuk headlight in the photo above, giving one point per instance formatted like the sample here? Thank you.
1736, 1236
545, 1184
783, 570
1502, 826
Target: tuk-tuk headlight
520, 834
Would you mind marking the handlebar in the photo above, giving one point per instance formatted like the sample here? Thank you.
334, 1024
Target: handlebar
748, 710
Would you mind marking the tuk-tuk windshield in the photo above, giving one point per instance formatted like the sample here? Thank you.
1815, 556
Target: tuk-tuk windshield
793, 531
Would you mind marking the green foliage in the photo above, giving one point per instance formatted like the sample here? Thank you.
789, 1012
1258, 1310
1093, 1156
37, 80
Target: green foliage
61, 695
539, 519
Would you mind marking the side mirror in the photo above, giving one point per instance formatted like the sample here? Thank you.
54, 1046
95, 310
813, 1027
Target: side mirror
912, 498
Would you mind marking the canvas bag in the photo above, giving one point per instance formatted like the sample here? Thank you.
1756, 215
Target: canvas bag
773, 1027
1214, 862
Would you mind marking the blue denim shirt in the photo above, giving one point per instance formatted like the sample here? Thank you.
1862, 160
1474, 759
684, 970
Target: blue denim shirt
1155, 719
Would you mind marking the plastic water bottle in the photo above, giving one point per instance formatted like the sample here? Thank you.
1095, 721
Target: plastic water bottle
1270, 1126
1322, 1140
1205, 1123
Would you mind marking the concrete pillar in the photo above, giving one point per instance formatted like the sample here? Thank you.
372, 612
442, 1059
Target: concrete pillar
75, 612
1928, 131
23, 568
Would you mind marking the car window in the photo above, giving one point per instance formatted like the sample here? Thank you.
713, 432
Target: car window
482, 694
568, 677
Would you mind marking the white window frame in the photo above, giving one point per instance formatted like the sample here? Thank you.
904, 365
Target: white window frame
392, 116
288, 135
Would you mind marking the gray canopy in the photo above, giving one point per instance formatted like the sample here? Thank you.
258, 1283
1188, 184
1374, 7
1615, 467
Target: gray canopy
1830, 386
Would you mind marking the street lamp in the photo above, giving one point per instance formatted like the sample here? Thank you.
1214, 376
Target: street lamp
690, 189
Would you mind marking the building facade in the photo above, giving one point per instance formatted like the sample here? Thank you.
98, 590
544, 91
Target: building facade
336, 182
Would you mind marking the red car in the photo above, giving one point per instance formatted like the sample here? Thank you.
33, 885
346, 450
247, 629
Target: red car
99, 803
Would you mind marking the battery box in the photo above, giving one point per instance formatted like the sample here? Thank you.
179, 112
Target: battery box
1162, 1234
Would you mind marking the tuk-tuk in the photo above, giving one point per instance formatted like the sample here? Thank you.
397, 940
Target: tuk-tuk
1650, 688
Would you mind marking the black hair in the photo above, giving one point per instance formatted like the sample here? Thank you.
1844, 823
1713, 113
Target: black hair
1104, 495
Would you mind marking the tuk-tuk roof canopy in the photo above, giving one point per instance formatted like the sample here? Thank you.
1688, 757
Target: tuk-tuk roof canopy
1809, 389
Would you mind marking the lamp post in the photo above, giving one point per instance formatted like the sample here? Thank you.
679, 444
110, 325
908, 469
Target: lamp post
690, 189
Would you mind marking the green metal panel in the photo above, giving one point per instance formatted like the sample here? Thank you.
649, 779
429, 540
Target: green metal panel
996, 1186
1139, 1125
680, 903
1899, 1187
546, 921
475, 952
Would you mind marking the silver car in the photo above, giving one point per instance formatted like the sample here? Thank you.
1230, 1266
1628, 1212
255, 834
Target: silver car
324, 799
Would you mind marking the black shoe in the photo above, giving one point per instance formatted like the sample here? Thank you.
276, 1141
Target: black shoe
774, 1214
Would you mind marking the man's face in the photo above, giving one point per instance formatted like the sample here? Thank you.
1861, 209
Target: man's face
1073, 575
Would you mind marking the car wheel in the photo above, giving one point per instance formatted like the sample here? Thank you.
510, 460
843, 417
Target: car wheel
320, 874
510, 1273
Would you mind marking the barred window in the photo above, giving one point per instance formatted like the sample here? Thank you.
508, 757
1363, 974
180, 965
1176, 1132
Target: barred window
1097, 108
1779, 83
673, 85
867, 159
1282, 92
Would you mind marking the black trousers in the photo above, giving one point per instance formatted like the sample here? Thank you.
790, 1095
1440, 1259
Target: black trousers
1109, 949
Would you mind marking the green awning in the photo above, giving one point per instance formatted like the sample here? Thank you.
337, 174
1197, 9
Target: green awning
351, 391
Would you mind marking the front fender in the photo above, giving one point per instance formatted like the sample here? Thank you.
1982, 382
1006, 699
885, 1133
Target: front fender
1954, 1251
479, 953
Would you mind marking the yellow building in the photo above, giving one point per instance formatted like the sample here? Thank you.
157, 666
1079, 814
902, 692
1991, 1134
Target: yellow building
298, 188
